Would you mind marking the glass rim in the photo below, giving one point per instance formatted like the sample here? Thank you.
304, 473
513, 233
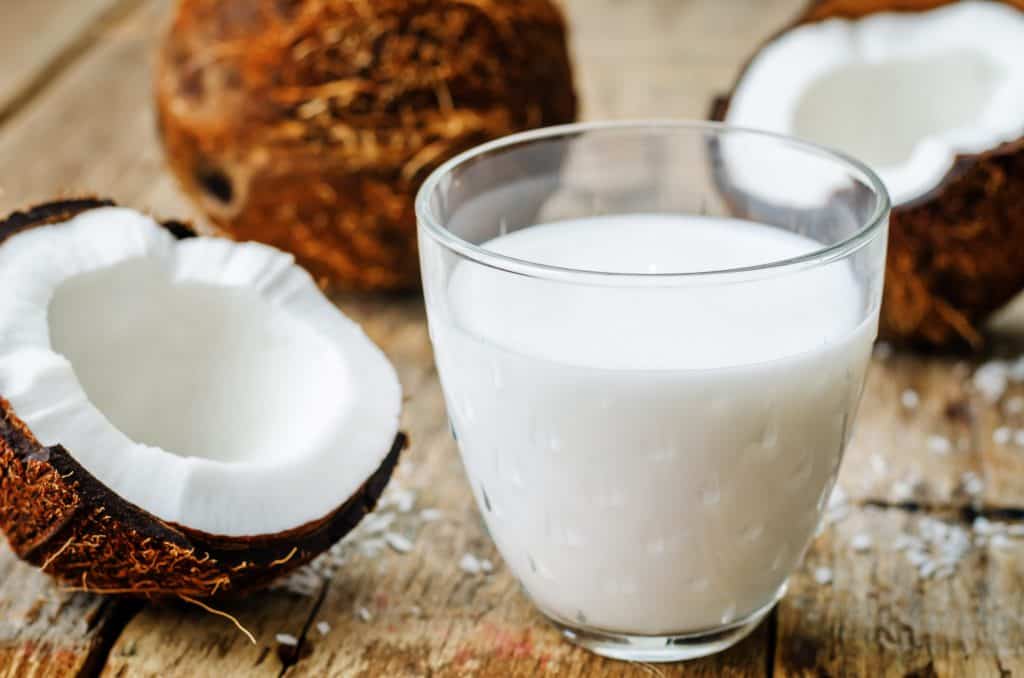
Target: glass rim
429, 222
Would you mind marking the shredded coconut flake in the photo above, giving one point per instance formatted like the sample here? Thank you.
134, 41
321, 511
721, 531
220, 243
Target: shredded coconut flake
972, 484
286, 639
398, 542
1014, 405
910, 399
364, 614
1002, 435
860, 542
990, 380
430, 515
470, 564
939, 445
823, 575
323, 628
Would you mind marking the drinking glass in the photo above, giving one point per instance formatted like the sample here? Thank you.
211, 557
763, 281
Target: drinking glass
652, 434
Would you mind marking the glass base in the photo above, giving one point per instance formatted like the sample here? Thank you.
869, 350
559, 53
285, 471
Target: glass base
668, 648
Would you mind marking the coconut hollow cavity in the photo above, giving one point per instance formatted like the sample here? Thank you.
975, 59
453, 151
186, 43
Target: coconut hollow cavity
931, 95
178, 415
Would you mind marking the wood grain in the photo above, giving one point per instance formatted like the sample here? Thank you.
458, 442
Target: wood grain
879, 617
38, 38
43, 631
919, 454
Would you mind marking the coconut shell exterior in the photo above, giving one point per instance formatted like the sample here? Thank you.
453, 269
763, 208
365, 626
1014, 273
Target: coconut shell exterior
310, 124
955, 253
59, 517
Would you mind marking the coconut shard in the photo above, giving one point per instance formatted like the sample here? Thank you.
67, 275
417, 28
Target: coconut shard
310, 124
930, 94
179, 415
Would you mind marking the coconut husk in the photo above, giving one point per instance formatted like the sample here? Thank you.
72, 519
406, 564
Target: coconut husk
955, 252
310, 124
59, 517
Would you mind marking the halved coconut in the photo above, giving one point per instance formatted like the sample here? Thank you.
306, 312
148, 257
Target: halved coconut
178, 415
931, 95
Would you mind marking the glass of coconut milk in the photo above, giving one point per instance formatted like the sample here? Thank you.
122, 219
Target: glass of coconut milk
652, 339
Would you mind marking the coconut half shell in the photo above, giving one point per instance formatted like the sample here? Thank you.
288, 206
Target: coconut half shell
955, 249
310, 125
60, 517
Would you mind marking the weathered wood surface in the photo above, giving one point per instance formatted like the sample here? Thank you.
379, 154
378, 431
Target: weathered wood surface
38, 38
83, 123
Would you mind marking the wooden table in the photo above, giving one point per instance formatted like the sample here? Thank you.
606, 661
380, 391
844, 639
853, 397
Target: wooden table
75, 116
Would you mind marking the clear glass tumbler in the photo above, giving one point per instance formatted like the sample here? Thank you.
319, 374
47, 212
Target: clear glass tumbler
652, 339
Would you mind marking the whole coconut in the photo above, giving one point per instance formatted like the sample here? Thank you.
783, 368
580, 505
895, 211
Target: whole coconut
310, 124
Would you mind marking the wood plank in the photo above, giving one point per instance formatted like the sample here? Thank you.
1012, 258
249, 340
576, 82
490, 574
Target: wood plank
665, 58
90, 132
43, 631
880, 617
177, 639
913, 440
37, 38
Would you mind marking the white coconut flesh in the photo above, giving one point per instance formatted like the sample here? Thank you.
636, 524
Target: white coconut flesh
206, 381
904, 92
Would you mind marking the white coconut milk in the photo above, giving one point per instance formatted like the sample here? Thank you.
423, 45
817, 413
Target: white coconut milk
652, 459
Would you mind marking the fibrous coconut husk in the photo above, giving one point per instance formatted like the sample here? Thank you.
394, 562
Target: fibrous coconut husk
310, 124
955, 253
59, 517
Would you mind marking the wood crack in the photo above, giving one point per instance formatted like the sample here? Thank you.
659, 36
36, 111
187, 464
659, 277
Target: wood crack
967, 514
773, 640
116, 614
63, 60
293, 658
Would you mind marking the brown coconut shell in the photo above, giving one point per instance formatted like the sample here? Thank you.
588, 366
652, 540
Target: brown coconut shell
955, 253
310, 124
59, 517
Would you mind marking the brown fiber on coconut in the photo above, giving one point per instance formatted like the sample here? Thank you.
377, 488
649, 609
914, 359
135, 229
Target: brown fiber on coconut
310, 124
57, 516
955, 252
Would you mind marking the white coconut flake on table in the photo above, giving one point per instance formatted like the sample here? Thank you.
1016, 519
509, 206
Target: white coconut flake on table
402, 499
971, 483
990, 379
1014, 405
1018, 437
910, 399
286, 639
1002, 435
902, 490
364, 614
430, 515
399, 542
939, 445
860, 542
937, 549
1001, 541
823, 576
836, 511
323, 628
470, 564
377, 522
